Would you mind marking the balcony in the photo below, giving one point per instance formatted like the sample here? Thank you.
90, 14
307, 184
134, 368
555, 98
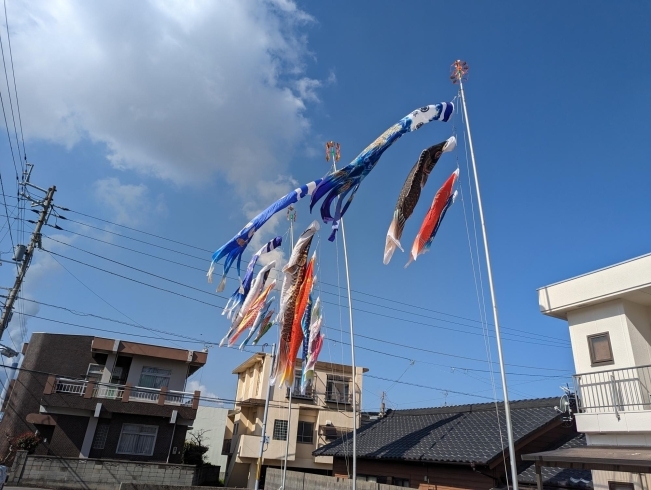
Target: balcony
310, 394
124, 393
615, 400
339, 397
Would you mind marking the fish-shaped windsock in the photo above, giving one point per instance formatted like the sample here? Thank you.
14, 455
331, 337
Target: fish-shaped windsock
442, 201
234, 248
338, 185
238, 297
315, 342
252, 315
256, 289
297, 328
264, 327
263, 317
410, 193
294, 271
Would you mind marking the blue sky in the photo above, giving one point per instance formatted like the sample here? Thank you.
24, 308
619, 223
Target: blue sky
183, 121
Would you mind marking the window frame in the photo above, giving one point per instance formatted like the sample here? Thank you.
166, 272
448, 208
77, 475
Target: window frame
153, 446
300, 434
158, 374
277, 430
611, 485
97, 375
593, 360
338, 380
100, 444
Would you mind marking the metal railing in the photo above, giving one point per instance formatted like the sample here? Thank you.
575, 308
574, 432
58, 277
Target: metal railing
72, 386
615, 390
310, 394
116, 392
338, 397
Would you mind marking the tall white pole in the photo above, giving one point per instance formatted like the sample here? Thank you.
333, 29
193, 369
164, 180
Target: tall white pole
264, 421
352, 338
291, 217
507, 409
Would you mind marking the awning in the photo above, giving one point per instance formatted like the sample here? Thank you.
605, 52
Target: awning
613, 458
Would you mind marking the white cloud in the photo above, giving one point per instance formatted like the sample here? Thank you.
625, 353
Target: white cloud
180, 90
130, 204
194, 385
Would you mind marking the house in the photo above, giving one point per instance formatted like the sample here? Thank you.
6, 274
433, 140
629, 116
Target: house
450, 447
608, 312
210, 426
320, 415
92, 397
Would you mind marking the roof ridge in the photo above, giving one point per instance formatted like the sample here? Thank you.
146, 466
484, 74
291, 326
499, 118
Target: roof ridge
476, 407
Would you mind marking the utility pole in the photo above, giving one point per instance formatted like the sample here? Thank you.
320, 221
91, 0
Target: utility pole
27, 256
263, 436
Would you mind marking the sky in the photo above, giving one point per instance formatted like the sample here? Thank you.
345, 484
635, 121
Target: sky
182, 120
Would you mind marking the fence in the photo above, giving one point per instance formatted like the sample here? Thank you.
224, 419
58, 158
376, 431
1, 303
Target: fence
95, 474
307, 481
616, 390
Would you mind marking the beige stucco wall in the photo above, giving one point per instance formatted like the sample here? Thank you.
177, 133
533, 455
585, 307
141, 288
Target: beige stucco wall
179, 371
600, 479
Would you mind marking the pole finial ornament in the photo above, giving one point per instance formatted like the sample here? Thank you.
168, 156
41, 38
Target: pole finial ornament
332, 151
291, 214
459, 71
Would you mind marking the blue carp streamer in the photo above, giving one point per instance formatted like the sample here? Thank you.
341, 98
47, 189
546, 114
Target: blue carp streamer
344, 183
234, 248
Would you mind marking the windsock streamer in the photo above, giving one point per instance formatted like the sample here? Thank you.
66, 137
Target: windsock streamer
252, 314
341, 186
442, 202
295, 274
256, 289
238, 297
233, 249
263, 318
315, 342
410, 193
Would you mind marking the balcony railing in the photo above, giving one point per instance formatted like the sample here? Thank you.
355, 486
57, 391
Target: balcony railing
310, 394
338, 397
125, 393
616, 390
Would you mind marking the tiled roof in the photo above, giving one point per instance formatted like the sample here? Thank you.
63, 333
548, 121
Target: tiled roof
460, 434
564, 477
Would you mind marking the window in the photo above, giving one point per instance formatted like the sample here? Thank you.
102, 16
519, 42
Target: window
101, 432
152, 377
305, 433
616, 485
137, 439
338, 389
400, 482
94, 372
280, 430
367, 478
226, 447
236, 427
600, 349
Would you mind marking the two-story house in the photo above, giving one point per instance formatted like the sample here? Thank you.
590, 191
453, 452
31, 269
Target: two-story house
322, 414
91, 397
609, 316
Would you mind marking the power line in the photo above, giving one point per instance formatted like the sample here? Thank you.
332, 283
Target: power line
543, 338
13, 71
325, 302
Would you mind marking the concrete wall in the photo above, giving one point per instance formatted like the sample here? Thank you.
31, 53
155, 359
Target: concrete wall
179, 371
93, 474
600, 479
212, 420
306, 481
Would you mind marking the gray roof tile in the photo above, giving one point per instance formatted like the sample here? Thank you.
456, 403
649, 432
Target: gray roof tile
460, 434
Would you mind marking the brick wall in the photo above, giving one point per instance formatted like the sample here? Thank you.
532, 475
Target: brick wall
93, 474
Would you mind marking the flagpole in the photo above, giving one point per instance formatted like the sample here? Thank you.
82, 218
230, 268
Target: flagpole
291, 216
334, 154
264, 421
460, 69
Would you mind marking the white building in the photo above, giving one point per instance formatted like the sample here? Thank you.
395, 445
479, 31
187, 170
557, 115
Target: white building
211, 425
609, 316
